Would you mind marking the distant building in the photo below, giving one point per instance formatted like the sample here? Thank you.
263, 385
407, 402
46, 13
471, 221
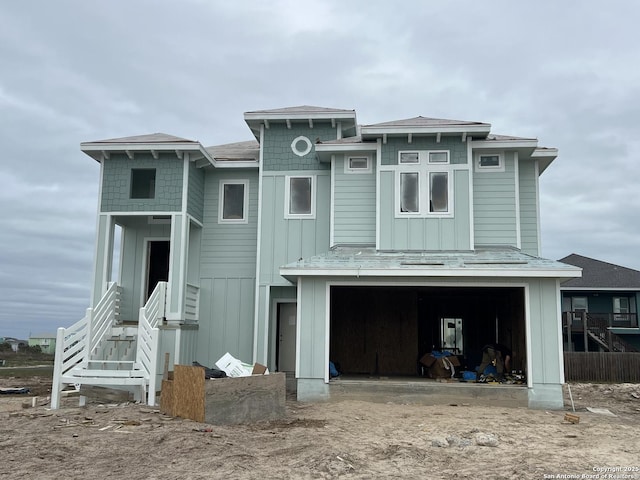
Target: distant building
14, 342
46, 342
605, 299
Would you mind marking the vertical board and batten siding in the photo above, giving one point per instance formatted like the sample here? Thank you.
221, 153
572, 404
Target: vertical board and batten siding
354, 206
312, 329
545, 341
494, 203
133, 257
425, 233
287, 240
528, 208
116, 183
227, 273
195, 193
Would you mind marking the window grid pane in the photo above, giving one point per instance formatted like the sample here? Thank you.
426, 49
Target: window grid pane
438, 157
409, 157
233, 202
489, 161
439, 192
409, 193
300, 196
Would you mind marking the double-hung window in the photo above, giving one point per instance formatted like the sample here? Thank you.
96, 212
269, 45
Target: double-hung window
300, 196
234, 198
423, 183
621, 309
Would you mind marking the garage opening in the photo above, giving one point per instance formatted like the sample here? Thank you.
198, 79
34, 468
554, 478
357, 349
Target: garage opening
386, 330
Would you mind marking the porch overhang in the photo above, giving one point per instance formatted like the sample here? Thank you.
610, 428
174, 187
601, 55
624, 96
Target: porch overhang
368, 262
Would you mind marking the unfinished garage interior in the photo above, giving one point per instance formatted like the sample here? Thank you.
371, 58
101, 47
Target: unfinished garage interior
385, 330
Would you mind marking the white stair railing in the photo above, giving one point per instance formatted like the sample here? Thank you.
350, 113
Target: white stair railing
75, 344
147, 349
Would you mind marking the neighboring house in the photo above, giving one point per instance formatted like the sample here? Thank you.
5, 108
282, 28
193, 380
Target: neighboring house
319, 239
46, 342
15, 343
605, 299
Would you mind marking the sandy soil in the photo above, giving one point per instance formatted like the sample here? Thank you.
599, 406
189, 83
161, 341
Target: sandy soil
348, 439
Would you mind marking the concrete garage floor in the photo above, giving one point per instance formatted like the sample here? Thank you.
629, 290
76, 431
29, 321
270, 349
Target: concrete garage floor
424, 391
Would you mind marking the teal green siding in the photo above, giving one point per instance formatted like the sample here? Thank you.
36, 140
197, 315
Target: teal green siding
228, 249
494, 201
277, 153
312, 328
227, 274
286, 240
195, 194
226, 319
545, 338
354, 206
425, 233
457, 148
116, 183
528, 208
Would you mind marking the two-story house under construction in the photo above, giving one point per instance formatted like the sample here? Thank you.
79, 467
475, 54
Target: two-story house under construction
319, 239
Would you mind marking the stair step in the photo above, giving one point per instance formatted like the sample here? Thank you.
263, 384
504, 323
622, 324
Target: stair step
121, 374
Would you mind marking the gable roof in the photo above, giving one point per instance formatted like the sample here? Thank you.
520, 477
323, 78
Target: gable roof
301, 110
147, 138
597, 274
424, 121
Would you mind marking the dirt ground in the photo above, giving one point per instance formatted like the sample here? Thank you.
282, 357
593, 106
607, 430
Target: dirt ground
348, 439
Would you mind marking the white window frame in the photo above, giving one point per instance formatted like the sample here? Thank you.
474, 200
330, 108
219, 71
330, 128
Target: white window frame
481, 169
424, 168
245, 217
348, 169
287, 197
620, 315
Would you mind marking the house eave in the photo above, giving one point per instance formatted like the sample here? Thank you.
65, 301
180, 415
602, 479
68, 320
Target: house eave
292, 274
98, 151
374, 131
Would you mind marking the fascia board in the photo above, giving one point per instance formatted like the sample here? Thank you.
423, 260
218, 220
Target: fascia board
299, 116
401, 130
235, 164
599, 289
121, 147
504, 144
346, 148
398, 272
547, 152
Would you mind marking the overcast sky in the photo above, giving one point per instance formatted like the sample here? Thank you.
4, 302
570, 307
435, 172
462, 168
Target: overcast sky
567, 73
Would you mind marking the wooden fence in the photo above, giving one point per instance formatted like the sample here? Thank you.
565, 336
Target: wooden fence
613, 367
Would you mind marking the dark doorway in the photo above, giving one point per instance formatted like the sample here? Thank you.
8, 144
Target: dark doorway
157, 264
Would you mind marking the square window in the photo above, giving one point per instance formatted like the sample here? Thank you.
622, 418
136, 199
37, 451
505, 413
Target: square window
438, 157
438, 192
409, 157
409, 193
299, 197
143, 183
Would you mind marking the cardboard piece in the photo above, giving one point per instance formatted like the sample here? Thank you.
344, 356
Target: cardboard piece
437, 367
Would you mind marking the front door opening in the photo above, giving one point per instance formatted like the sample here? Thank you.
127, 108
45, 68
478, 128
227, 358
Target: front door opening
286, 345
157, 264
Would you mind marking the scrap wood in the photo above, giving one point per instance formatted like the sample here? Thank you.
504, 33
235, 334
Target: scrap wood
571, 418
601, 411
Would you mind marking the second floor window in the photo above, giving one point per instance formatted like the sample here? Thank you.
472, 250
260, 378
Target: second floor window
143, 183
233, 201
300, 197
423, 183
